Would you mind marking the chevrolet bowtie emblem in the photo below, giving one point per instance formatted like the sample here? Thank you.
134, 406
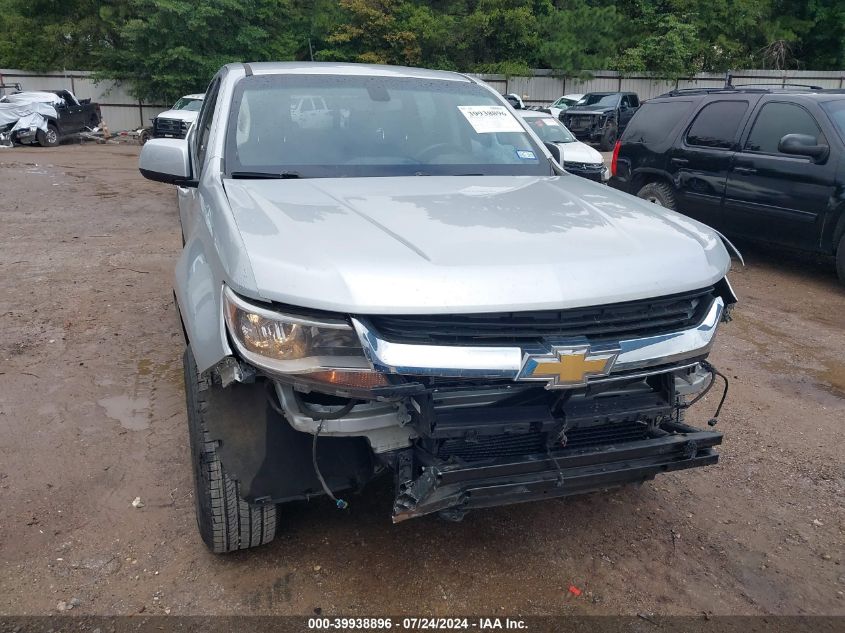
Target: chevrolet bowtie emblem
568, 366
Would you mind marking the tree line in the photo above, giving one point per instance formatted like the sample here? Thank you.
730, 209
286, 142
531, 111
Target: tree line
165, 48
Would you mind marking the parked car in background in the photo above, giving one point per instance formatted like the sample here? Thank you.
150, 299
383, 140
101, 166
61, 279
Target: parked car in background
515, 100
601, 117
562, 104
21, 123
763, 164
174, 123
72, 115
576, 157
424, 293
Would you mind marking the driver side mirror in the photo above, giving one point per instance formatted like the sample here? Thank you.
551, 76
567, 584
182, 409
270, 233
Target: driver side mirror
803, 145
167, 160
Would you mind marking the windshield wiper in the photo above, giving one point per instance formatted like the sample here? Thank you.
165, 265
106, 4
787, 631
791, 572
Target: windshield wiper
266, 175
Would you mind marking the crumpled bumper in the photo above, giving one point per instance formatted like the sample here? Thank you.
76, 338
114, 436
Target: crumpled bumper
454, 488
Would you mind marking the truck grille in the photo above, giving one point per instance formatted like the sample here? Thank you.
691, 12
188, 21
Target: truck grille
614, 321
579, 122
170, 127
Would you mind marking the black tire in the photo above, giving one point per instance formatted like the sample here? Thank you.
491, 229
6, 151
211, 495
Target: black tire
50, 138
658, 193
840, 260
608, 138
226, 522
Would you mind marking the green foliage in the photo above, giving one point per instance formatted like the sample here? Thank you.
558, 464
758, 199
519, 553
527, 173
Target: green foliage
165, 48
580, 35
669, 45
49, 34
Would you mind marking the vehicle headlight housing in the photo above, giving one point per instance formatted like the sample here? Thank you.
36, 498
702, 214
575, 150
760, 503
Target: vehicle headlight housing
327, 350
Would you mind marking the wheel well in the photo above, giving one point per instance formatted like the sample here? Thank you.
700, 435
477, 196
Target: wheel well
181, 321
640, 180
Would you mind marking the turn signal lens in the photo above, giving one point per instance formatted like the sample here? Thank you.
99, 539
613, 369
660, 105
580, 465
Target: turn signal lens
352, 379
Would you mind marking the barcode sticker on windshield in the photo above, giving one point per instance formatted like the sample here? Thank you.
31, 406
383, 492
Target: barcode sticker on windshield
490, 119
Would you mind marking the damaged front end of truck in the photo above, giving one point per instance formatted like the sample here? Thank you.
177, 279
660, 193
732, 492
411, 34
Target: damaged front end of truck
473, 410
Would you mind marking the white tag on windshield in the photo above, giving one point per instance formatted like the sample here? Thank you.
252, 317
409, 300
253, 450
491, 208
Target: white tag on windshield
490, 119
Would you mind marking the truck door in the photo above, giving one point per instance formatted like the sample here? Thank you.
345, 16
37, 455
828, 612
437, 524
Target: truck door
627, 107
73, 117
774, 196
700, 161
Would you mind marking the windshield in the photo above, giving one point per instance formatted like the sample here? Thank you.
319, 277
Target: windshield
549, 129
599, 99
309, 126
184, 103
836, 111
563, 102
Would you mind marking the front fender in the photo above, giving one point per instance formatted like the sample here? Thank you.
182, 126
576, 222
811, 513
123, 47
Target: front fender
199, 299
214, 254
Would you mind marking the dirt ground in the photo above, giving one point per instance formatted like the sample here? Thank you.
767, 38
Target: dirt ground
92, 416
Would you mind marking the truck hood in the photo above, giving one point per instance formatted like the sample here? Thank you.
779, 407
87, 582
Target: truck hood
181, 115
464, 244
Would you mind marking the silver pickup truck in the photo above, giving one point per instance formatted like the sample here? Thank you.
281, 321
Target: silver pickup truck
410, 285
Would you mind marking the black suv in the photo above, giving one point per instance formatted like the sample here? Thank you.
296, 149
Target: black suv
761, 164
600, 117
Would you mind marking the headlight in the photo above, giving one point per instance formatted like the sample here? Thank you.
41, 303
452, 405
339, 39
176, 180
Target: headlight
292, 344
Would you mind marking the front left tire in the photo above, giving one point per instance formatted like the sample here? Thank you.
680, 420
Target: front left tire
608, 138
50, 138
226, 521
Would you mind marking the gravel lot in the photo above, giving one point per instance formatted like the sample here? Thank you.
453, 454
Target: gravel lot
92, 416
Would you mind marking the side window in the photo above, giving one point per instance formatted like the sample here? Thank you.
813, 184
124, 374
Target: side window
654, 121
716, 124
635, 102
206, 116
625, 101
775, 121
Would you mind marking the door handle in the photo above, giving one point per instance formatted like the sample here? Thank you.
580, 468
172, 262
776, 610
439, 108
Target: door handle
681, 161
745, 170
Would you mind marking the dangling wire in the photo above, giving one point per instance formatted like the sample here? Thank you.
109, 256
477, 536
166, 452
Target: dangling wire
715, 372
339, 503
317, 416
